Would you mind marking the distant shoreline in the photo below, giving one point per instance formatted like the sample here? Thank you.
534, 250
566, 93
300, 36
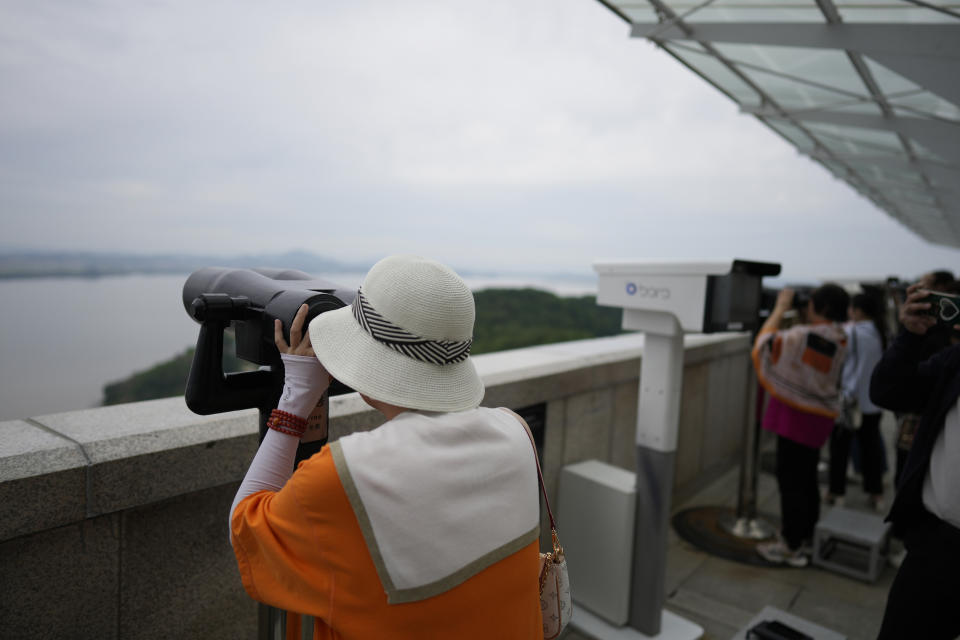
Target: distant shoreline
18, 265
90, 274
33, 265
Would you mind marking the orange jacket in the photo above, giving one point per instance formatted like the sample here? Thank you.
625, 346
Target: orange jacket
301, 549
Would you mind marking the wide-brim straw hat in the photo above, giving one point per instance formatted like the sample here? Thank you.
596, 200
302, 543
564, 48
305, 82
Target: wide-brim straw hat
405, 340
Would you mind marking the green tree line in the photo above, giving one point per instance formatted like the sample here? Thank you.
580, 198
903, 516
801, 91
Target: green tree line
506, 319
169, 378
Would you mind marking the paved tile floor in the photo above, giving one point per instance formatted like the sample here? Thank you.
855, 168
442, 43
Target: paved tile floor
722, 596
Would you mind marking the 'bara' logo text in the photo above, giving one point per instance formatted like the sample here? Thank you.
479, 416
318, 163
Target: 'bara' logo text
660, 293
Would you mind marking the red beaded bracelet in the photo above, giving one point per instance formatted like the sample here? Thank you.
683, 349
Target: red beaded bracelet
287, 423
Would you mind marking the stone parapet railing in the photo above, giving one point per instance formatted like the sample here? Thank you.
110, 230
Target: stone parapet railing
113, 521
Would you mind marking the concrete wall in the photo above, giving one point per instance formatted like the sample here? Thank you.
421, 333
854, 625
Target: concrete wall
113, 521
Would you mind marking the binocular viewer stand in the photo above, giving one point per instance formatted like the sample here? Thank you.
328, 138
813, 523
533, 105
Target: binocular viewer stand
640, 539
664, 300
249, 301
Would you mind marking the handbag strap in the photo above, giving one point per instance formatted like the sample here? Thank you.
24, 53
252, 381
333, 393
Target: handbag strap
536, 457
852, 357
853, 336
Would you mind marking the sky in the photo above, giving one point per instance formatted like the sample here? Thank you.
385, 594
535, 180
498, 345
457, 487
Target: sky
518, 135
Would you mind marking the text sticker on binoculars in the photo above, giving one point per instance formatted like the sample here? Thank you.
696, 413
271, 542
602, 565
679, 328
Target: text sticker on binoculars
319, 420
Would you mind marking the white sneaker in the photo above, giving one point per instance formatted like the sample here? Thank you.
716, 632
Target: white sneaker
778, 552
832, 500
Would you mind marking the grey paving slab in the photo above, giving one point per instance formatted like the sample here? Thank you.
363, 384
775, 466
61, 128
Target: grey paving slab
843, 588
708, 606
682, 561
712, 629
742, 586
857, 619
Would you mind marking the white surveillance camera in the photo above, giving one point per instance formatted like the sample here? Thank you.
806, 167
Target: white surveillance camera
703, 297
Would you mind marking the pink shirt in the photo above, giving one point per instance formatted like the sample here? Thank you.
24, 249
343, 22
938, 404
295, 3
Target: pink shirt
804, 428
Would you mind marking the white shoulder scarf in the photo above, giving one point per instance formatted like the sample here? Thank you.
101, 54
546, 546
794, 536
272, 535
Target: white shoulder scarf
440, 496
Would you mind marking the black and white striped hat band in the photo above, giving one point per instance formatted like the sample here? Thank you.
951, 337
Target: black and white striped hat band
410, 345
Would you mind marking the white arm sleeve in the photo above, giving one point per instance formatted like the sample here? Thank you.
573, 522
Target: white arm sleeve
304, 382
270, 469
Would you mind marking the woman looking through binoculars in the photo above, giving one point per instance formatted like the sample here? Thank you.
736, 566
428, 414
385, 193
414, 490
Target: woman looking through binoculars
428, 525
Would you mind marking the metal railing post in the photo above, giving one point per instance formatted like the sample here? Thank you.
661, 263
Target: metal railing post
744, 523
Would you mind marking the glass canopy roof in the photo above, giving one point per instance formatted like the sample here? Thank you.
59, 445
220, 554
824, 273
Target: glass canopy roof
870, 89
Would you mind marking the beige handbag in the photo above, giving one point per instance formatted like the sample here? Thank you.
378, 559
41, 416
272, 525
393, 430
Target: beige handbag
555, 604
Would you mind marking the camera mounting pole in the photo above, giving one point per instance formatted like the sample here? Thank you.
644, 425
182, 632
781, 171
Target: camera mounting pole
664, 300
250, 300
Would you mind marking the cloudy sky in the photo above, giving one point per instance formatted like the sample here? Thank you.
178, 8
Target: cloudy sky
526, 135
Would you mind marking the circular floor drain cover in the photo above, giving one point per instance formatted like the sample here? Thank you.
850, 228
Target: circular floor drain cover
700, 526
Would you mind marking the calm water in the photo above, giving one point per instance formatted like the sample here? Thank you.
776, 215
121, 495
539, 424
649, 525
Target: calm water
62, 340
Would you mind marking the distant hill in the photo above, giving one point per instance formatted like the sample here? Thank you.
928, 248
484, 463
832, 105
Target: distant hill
514, 318
86, 264
506, 319
169, 378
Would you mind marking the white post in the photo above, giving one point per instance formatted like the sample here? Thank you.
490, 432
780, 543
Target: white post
658, 416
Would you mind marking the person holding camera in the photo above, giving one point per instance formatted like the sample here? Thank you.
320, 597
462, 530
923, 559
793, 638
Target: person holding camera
925, 595
936, 338
425, 527
800, 369
866, 340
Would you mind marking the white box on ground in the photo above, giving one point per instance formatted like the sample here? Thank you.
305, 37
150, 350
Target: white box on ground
596, 510
852, 543
804, 626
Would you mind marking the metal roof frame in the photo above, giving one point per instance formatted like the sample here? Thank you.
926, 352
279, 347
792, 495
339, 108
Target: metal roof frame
923, 57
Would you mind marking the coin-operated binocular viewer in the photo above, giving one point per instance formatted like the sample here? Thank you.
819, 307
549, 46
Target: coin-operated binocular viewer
664, 300
250, 300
